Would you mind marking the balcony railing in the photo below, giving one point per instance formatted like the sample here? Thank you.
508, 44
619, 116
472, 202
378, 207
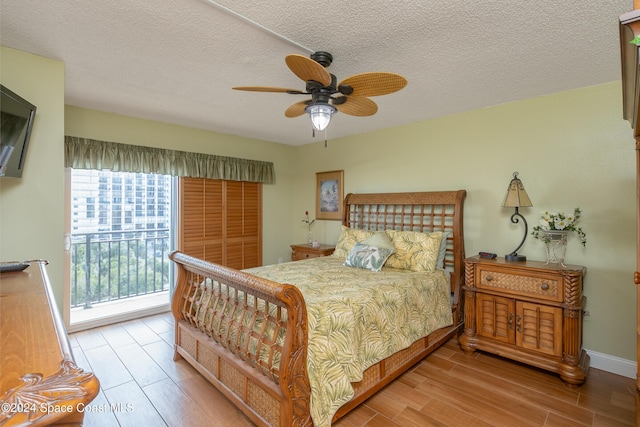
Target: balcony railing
108, 266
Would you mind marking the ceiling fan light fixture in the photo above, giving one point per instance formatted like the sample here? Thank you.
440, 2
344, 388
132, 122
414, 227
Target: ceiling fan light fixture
328, 97
320, 115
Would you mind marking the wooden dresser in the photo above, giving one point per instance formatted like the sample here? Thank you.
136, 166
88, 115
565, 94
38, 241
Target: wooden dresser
527, 311
304, 251
40, 383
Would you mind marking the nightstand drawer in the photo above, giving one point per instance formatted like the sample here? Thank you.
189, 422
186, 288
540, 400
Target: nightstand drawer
304, 251
549, 288
298, 255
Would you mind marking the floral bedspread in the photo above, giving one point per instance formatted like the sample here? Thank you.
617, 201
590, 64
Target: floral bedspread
357, 318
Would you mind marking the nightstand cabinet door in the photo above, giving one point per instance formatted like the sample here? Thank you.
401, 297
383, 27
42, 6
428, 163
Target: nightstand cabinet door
535, 327
539, 328
495, 317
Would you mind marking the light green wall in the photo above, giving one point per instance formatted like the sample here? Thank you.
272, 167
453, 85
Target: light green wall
31, 207
572, 149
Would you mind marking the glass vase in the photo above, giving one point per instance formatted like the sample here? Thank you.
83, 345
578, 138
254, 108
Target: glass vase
310, 237
556, 246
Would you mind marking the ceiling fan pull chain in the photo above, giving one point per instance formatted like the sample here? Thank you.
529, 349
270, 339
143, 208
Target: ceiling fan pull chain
325, 138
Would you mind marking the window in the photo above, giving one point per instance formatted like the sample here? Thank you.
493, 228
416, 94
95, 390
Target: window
119, 254
128, 206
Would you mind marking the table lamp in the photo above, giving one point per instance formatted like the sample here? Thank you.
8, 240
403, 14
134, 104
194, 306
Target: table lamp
517, 197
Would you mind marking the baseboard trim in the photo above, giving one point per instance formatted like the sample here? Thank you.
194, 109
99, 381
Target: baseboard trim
122, 317
613, 364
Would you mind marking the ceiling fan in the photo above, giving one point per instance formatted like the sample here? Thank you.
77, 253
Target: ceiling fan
350, 96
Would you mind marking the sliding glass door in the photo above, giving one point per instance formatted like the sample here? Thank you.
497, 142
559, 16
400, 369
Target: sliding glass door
121, 232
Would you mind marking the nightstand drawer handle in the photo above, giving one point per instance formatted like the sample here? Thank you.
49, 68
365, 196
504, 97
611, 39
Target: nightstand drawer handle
544, 286
489, 278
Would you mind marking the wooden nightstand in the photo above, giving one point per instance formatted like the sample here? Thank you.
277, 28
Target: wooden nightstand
526, 311
305, 250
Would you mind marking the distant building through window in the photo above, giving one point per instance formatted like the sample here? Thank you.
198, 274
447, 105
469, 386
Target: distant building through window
120, 235
115, 196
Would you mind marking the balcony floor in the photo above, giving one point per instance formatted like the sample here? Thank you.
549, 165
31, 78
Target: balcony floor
118, 311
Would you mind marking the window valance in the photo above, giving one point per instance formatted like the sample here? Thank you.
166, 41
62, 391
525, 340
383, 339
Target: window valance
84, 153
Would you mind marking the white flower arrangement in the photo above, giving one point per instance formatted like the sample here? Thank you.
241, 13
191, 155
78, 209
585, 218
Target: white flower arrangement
558, 221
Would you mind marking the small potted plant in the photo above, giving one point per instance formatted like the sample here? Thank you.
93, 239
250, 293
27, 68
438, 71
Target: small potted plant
553, 231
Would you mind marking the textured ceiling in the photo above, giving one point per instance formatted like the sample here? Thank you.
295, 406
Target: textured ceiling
176, 60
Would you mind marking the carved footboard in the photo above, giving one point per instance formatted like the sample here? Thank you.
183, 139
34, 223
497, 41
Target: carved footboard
248, 336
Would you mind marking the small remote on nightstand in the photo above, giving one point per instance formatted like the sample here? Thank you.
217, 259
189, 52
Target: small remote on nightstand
489, 255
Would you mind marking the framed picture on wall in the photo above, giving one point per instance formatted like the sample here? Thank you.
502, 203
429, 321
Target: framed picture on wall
329, 195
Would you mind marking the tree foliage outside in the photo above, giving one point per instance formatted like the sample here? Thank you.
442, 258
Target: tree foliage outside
118, 265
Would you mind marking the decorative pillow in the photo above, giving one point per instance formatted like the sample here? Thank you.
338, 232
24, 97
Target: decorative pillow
367, 256
443, 249
380, 240
348, 238
414, 251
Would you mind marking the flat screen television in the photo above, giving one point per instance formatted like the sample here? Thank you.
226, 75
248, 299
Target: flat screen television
16, 120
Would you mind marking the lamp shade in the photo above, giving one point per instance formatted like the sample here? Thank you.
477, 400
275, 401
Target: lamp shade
516, 194
320, 115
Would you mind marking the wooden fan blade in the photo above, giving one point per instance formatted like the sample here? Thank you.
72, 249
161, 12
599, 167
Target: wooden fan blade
308, 69
375, 84
296, 109
358, 106
268, 89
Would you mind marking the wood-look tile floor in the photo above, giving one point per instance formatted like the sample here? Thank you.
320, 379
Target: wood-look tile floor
142, 386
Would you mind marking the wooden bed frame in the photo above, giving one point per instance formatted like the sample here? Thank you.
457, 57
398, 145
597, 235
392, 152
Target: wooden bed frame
273, 389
